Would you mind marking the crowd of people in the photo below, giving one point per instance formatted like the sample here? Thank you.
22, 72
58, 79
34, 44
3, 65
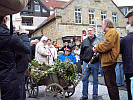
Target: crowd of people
114, 58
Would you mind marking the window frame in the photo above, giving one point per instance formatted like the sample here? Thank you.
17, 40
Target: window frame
102, 15
115, 16
39, 7
77, 15
92, 21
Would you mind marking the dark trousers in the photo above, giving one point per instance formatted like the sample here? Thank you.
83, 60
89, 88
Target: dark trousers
21, 82
128, 83
110, 81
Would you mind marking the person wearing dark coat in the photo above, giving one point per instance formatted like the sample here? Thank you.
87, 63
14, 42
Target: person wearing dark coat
86, 54
9, 44
126, 49
21, 66
66, 46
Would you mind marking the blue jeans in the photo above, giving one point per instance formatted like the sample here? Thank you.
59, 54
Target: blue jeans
119, 74
100, 68
93, 68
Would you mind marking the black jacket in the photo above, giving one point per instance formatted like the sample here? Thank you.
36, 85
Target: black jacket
126, 49
62, 49
8, 74
86, 52
22, 59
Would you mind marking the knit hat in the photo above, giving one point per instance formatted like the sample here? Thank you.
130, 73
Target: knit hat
67, 49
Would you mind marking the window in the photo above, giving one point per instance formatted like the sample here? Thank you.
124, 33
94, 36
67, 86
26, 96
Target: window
37, 8
103, 15
43, 10
114, 17
77, 15
27, 21
91, 17
125, 11
122, 10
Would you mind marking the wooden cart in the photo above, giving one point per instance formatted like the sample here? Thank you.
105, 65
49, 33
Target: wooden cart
56, 87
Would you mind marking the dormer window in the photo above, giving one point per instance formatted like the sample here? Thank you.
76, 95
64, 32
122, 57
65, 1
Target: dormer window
37, 6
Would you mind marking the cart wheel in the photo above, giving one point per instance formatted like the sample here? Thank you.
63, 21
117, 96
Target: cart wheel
54, 92
32, 87
69, 91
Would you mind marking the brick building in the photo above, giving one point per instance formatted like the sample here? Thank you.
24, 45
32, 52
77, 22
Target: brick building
71, 18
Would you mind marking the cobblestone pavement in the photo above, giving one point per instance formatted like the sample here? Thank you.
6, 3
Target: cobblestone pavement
102, 92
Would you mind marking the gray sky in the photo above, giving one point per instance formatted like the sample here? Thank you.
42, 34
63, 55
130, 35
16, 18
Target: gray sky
119, 2
124, 2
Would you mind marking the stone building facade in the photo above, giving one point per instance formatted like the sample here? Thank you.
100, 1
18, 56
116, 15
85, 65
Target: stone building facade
75, 16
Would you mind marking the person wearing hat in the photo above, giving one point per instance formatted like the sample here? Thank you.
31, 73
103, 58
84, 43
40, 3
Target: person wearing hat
67, 55
41, 52
9, 45
86, 54
126, 49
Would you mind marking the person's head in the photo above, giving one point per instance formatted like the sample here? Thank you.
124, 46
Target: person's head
67, 51
66, 43
44, 39
129, 28
107, 23
84, 32
54, 43
91, 32
3, 19
32, 42
130, 17
75, 38
49, 42
36, 41
77, 47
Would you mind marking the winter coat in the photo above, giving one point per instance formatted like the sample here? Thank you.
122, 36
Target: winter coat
8, 74
53, 54
71, 57
110, 48
32, 54
126, 49
41, 53
22, 59
86, 52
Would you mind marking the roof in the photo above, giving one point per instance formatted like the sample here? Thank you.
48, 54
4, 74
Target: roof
60, 4
46, 21
51, 4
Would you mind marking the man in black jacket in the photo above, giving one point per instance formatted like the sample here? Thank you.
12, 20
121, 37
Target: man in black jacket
9, 44
126, 49
65, 46
21, 66
85, 56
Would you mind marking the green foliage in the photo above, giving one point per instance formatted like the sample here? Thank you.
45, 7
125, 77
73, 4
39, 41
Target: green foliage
66, 70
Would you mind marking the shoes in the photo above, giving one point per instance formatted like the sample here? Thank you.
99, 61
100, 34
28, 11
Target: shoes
95, 98
84, 98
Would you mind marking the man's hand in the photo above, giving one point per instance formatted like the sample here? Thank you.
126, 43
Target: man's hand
94, 50
21, 30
